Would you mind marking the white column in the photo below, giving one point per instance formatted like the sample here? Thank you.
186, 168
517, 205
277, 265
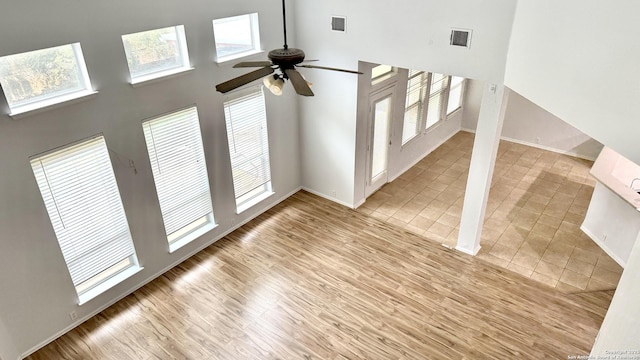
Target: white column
619, 335
483, 159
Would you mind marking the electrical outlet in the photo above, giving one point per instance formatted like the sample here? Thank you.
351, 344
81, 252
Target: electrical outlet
333, 193
73, 316
537, 140
604, 237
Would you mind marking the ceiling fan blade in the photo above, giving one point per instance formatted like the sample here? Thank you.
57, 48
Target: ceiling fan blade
244, 79
298, 82
328, 68
306, 61
252, 64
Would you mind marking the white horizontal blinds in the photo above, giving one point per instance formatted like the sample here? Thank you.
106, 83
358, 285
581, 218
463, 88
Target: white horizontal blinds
81, 196
246, 120
455, 94
436, 98
179, 170
416, 91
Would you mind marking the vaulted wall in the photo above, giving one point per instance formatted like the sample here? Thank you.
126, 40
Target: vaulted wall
579, 61
36, 292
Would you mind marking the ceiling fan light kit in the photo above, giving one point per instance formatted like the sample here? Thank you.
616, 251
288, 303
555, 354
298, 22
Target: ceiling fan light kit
274, 83
285, 60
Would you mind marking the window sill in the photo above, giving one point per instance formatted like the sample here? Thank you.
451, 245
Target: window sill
191, 236
434, 126
108, 284
412, 140
453, 112
250, 203
237, 56
50, 104
159, 76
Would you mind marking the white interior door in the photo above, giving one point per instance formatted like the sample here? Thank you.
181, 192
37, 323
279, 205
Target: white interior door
379, 140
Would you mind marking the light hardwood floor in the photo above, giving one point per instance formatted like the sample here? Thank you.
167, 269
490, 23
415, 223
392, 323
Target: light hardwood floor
310, 279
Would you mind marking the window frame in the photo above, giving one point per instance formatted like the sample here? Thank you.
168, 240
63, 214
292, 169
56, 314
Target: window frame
264, 190
256, 45
55, 99
421, 104
461, 100
443, 92
152, 76
79, 159
157, 147
382, 77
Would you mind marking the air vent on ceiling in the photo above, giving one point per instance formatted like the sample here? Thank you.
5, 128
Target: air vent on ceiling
460, 37
339, 23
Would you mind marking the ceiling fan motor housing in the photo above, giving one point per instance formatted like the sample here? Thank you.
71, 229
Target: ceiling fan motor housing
286, 58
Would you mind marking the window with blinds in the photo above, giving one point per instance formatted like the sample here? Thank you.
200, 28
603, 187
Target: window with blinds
180, 175
455, 94
437, 97
81, 195
417, 87
246, 120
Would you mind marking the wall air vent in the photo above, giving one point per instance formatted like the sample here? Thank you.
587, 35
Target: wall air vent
339, 23
460, 37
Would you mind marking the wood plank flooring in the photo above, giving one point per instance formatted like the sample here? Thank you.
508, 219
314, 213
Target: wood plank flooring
310, 279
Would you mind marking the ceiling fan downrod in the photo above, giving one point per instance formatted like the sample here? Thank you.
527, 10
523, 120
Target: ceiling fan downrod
284, 23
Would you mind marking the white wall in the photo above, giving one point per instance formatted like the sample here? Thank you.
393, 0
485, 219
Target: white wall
409, 34
579, 60
7, 350
612, 223
36, 291
527, 123
619, 331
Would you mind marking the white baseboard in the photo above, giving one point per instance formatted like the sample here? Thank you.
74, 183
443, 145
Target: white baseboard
473, 252
330, 198
154, 276
539, 146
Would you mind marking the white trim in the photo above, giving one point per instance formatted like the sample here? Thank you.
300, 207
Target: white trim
538, 146
108, 284
152, 277
226, 59
256, 42
453, 113
242, 91
467, 251
330, 198
192, 236
602, 246
252, 202
53, 103
159, 76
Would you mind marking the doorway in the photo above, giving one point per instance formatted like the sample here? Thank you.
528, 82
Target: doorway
379, 140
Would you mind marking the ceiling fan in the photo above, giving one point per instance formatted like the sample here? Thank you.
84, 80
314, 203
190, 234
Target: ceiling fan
285, 60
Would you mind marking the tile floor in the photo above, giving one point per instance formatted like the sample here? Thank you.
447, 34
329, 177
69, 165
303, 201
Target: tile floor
537, 202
